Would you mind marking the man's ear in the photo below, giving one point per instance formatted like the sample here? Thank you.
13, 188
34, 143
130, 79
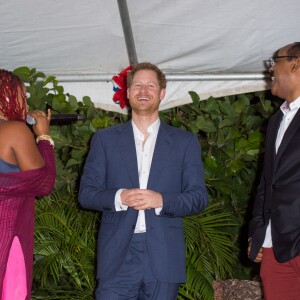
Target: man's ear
162, 94
296, 65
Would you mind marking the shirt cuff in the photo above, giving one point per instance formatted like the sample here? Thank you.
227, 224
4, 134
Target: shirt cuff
158, 210
119, 206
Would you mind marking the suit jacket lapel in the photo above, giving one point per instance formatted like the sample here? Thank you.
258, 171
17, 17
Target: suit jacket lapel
273, 136
162, 151
291, 130
128, 152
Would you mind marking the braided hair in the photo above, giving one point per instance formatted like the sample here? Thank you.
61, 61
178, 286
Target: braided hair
13, 105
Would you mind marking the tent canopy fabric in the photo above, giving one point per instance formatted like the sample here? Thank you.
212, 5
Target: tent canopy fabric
214, 48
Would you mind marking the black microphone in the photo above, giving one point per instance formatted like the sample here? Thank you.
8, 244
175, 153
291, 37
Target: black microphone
59, 119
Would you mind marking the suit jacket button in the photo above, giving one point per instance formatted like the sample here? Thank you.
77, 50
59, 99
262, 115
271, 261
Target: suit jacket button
268, 210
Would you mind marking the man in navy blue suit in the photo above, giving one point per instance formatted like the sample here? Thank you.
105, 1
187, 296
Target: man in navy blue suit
144, 176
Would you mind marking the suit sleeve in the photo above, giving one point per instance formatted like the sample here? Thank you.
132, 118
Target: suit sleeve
93, 193
257, 220
193, 197
258, 225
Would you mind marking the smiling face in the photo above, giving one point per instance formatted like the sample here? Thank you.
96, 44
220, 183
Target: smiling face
285, 75
145, 93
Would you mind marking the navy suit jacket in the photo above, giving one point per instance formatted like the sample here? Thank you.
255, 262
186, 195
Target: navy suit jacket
278, 194
176, 172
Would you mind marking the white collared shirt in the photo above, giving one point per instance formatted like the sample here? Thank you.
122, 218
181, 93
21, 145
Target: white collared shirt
144, 153
289, 111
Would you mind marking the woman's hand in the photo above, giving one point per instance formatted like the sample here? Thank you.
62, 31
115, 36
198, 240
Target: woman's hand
42, 122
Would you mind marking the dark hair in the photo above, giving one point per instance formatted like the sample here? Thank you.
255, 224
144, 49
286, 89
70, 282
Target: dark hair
12, 97
294, 49
147, 66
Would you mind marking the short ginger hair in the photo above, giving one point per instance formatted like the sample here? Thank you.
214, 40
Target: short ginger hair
147, 66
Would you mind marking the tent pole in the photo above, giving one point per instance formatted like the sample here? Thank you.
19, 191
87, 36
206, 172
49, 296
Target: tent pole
126, 24
170, 77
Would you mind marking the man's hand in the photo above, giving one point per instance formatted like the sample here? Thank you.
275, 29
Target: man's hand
259, 254
140, 199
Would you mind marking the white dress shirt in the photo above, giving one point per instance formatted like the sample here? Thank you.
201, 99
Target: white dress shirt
144, 152
289, 111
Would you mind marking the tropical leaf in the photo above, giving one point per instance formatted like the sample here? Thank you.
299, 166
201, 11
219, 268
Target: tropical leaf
65, 247
211, 252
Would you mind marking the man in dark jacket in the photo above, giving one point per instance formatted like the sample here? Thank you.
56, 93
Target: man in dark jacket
274, 231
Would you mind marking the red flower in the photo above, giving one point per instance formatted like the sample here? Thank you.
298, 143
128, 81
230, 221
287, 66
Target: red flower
120, 88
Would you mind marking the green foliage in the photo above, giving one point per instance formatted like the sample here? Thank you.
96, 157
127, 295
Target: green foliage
231, 132
210, 251
65, 245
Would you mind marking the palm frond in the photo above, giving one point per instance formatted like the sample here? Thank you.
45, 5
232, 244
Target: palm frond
65, 246
211, 252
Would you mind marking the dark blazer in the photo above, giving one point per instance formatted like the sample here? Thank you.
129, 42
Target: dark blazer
278, 194
176, 172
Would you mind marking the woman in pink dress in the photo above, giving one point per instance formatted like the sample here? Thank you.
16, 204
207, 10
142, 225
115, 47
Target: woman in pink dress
27, 170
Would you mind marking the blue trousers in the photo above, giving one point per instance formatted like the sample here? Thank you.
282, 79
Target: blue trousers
135, 279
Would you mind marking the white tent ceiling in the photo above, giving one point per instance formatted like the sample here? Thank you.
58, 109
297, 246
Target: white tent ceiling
212, 47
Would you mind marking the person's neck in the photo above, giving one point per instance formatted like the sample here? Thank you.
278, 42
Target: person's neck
143, 122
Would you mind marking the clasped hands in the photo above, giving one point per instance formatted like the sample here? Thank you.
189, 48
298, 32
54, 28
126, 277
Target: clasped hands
141, 199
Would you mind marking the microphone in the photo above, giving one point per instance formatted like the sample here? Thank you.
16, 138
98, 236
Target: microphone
59, 119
